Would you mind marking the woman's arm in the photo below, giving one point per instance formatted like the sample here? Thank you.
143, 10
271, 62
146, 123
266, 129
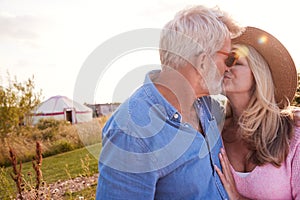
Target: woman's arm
295, 163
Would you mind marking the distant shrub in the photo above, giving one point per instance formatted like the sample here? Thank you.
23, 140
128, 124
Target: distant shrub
48, 123
49, 128
60, 147
49, 134
64, 146
6, 185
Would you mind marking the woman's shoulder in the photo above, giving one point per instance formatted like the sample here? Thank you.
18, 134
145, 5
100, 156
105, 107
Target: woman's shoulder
295, 142
296, 136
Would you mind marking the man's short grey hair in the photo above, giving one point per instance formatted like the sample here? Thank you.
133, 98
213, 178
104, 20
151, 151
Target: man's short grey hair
195, 30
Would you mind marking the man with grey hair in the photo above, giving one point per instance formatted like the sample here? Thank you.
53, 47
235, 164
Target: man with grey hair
163, 142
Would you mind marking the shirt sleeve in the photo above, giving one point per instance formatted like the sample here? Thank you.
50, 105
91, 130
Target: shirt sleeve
296, 167
114, 184
116, 181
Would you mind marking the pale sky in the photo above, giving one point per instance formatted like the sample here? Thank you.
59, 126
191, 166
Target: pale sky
52, 39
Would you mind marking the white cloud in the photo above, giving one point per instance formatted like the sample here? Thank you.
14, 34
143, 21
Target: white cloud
23, 27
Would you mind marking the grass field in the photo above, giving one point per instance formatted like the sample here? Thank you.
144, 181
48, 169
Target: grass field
75, 163
54, 168
55, 137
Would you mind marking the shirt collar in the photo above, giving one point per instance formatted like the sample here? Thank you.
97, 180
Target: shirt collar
157, 98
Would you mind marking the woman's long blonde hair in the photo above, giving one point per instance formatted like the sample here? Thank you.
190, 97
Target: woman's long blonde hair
265, 128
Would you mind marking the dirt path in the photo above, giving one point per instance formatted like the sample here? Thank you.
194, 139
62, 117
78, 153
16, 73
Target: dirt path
57, 190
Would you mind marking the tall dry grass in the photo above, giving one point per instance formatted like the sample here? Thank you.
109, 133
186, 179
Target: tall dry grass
55, 137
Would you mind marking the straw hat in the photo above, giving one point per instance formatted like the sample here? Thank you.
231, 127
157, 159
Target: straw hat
280, 62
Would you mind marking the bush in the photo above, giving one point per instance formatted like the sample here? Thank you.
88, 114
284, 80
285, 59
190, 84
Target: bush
63, 146
48, 123
48, 129
6, 185
60, 147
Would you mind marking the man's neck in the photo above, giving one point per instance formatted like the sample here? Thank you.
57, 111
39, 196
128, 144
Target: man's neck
176, 89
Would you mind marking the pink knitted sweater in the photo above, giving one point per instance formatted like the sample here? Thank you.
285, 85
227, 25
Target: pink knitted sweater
268, 182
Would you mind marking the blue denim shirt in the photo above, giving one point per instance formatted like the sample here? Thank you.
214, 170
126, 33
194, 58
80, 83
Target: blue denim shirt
149, 153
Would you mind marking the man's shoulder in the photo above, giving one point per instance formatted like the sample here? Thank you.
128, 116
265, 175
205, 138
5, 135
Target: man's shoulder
214, 105
137, 110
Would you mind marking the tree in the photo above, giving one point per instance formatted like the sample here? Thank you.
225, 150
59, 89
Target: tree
17, 100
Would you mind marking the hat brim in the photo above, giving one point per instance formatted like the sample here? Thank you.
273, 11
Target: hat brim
280, 62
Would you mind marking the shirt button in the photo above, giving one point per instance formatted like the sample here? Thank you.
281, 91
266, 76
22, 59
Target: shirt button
176, 116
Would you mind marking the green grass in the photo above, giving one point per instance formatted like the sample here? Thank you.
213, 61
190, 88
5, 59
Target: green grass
54, 168
62, 166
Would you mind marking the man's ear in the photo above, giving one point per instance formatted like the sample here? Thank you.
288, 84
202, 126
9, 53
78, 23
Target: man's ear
200, 61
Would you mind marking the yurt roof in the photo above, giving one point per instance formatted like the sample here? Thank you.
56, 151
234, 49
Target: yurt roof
59, 103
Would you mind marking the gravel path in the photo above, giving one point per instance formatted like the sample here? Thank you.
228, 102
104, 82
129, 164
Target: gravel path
57, 190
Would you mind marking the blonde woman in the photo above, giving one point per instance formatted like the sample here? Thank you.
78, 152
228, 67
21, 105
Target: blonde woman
262, 148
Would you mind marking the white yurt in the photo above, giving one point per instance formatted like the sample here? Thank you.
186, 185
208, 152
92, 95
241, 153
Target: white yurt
62, 108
